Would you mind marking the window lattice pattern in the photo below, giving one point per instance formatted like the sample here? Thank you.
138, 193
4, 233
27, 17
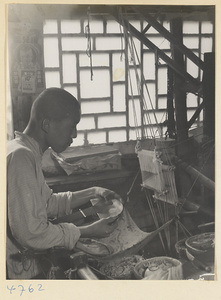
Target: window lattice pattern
110, 103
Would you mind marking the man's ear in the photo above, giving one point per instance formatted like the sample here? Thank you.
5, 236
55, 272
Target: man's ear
45, 125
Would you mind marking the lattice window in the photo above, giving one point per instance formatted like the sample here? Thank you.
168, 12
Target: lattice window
108, 101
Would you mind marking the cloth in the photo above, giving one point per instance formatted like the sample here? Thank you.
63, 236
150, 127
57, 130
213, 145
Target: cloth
158, 176
170, 196
172, 272
89, 164
151, 170
127, 239
30, 203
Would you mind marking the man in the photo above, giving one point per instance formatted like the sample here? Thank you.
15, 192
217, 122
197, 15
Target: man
53, 123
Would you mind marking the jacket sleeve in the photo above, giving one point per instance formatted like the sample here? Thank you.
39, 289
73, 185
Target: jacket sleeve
59, 204
27, 206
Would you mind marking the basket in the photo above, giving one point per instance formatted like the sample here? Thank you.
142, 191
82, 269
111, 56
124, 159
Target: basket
153, 264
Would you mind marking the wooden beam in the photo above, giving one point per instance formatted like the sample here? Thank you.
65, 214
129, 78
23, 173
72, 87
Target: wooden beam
196, 175
179, 93
195, 115
121, 20
170, 37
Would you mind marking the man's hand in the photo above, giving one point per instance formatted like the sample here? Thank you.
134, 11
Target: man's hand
106, 194
82, 197
99, 229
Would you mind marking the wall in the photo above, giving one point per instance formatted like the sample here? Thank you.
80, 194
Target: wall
26, 73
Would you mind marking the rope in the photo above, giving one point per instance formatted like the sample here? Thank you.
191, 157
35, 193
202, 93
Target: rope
154, 217
88, 36
132, 48
132, 185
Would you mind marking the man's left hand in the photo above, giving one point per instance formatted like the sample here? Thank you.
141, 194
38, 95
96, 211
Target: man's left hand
106, 194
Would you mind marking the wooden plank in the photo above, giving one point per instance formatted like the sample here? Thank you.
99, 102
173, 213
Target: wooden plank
91, 177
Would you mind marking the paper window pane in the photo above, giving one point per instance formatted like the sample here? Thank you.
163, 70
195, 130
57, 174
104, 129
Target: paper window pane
50, 26
111, 121
72, 90
119, 99
74, 44
162, 81
149, 65
207, 27
69, 68
118, 67
134, 113
96, 137
191, 42
70, 26
117, 136
98, 87
52, 79
95, 107
51, 53
191, 27
95, 26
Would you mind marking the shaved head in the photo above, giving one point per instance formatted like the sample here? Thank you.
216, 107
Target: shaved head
55, 114
53, 104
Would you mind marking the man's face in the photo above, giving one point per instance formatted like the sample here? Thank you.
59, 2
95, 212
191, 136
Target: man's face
61, 133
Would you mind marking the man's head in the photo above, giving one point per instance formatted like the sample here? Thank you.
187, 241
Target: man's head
54, 115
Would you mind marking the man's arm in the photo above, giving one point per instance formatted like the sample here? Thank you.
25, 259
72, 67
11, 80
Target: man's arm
27, 200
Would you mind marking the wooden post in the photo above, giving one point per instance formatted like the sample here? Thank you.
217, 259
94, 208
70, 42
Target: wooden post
179, 92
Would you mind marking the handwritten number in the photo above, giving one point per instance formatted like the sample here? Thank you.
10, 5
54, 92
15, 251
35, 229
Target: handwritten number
31, 290
40, 288
22, 289
11, 289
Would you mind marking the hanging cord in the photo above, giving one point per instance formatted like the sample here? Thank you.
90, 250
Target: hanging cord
129, 76
121, 33
149, 200
164, 216
132, 185
88, 36
134, 51
131, 46
139, 80
164, 219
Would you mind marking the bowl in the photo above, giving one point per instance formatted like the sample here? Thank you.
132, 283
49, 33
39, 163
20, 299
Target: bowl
107, 209
201, 243
202, 246
180, 247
